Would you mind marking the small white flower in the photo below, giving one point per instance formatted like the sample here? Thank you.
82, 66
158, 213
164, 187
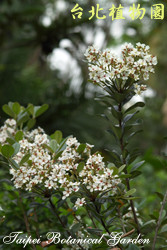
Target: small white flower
79, 202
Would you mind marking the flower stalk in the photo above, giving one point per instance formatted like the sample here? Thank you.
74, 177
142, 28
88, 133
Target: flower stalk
121, 141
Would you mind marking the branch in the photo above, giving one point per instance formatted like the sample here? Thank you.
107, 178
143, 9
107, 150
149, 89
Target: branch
128, 233
103, 224
121, 141
159, 220
60, 220
25, 219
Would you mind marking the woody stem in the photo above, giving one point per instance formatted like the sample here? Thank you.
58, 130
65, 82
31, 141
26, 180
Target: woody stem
122, 147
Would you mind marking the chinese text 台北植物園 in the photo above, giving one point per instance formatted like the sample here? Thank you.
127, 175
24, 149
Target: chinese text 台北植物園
135, 12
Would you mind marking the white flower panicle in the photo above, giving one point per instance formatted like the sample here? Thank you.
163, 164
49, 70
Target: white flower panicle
69, 172
135, 63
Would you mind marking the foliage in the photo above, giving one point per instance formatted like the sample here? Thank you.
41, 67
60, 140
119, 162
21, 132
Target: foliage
107, 212
116, 79
101, 204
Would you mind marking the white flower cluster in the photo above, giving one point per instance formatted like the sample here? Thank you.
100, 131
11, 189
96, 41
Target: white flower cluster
139, 88
136, 63
69, 173
8, 128
94, 175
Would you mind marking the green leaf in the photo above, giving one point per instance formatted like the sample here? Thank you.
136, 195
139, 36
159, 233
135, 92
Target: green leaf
94, 212
39, 110
64, 219
104, 97
136, 105
126, 129
16, 108
58, 154
115, 169
7, 151
135, 174
129, 116
155, 215
14, 164
16, 147
110, 220
49, 148
53, 145
164, 229
73, 199
10, 141
24, 159
22, 118
76, 228
31, 123
160, 195
121, 187
137, 165
119, 97
101, 172
10, 135
131, 198
57, 136
125, 153
30, 109
112, 132
133, 247
117, 130
80, 166
81, 148
114, 154
62, 145
110, 211
19, 135
123, 176
8, 110
148, 223
130, 192
163, 215
116, 113
133, 133
121, 168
